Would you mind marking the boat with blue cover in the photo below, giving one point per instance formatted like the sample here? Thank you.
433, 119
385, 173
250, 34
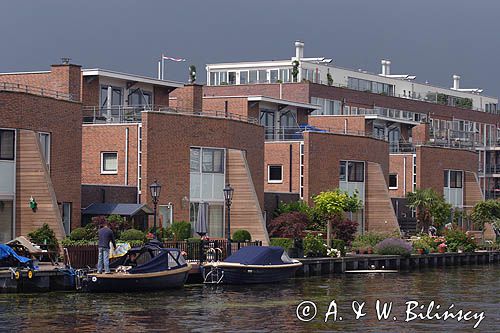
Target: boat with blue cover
146, 268
252, 264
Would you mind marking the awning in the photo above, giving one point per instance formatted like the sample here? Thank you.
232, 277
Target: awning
116, 209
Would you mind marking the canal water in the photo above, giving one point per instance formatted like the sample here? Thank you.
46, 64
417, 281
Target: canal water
270, 308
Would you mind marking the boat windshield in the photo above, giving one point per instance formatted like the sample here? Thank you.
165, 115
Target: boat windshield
285, 258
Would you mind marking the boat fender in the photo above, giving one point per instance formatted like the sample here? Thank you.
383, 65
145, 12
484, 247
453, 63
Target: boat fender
30, 274
94, 279
17, 275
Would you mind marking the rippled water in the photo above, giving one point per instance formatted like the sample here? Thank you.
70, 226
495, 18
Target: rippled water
265, 308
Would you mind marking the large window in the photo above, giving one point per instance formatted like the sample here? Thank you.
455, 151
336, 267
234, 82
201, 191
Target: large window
116, 96
273, 75
232, 77
370, 86
352, 171
66, 216
207, 174
262, 76
275, 173
7, 145
253, 77
243, 77
109, 162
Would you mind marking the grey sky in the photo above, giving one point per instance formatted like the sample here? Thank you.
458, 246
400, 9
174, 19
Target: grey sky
432, 39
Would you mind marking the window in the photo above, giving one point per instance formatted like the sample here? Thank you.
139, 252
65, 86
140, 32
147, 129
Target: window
275, 173
285, 75
116, 96
453, 179
243, 77
7, 145
274, 75
213, 160
139, 97
393, 181
109, 163
213, 79
253, 77
45, 145
356, 171
343, 171
232, 77
6, 220
262, 76
66, 217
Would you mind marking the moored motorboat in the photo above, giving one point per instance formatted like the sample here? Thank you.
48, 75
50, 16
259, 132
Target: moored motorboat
252, 264
147, 268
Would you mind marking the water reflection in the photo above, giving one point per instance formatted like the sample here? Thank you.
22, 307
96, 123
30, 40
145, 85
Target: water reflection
263, 308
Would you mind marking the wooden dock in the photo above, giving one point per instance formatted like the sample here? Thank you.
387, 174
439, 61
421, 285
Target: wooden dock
320, 266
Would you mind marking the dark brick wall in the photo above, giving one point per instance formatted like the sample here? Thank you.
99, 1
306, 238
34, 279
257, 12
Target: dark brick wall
108, 194
272, 200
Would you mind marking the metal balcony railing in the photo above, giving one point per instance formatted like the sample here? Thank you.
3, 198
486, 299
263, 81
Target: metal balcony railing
131, 114
295, 133
17, 87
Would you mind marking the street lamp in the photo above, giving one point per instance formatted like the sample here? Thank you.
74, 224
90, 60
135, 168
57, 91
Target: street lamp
155, 190
228, 196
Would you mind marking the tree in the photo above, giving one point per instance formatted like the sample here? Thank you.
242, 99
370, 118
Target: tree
192, 74
430, 206
487, 211
295, 70
332, 205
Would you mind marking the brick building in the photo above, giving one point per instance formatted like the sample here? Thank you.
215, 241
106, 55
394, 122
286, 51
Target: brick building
40, 151
434, 134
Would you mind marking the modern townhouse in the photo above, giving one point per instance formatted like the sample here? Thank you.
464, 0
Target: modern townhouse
414, 118
40, 151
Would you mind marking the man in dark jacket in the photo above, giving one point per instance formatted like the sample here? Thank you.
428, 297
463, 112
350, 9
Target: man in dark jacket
105, 237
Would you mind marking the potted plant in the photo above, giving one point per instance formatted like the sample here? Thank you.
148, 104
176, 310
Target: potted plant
442, 248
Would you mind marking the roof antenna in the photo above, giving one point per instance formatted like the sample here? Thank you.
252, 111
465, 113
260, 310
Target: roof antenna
65, 61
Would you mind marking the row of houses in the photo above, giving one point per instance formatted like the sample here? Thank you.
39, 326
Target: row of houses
280, 130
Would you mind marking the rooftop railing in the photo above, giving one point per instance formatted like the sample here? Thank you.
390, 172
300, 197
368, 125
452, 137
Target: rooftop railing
17, 87
132, 114
296, 133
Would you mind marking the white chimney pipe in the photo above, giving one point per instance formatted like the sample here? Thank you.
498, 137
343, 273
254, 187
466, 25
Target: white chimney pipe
386, 67
456, 82
299, 50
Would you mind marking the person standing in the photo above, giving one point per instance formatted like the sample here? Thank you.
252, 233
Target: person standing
105, 237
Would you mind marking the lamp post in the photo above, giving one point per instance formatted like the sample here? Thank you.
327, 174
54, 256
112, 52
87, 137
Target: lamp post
155, 189
228, 196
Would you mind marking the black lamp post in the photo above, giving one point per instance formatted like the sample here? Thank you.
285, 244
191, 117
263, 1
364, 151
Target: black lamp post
155, 189
228, 196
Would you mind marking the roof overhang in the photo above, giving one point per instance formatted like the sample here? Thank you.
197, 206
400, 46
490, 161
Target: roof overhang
283, 102
394, 120
131, 77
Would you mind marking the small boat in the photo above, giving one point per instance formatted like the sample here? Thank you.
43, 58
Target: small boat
147, 268
252, 264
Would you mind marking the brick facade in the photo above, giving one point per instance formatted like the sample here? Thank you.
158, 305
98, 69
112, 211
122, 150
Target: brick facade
110, 138
402, 166
62, 119
286, 154
166, 152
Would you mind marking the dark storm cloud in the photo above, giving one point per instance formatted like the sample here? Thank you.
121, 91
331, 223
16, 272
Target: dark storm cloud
429, 38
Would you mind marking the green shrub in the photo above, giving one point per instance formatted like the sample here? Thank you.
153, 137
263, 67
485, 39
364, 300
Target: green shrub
241, 236
69, 242
371, 238
314, 246
193, 240
132, 235
339, 244
45, 236
457, 239
162, 233
285, 243
78, 234
181, 230
393, 246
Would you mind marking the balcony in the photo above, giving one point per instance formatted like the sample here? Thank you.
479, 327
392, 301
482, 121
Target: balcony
295, 133
133, 114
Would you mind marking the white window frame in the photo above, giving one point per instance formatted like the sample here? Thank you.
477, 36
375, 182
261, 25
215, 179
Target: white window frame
107, 172
397, 181
269, 174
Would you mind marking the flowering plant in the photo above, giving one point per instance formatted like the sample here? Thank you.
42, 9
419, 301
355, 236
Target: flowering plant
442, 246
333, 253
150, 236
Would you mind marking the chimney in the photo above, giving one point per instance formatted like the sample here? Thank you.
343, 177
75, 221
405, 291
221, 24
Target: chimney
299, 50
386, 67
456, 82
190, 98
67, 79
